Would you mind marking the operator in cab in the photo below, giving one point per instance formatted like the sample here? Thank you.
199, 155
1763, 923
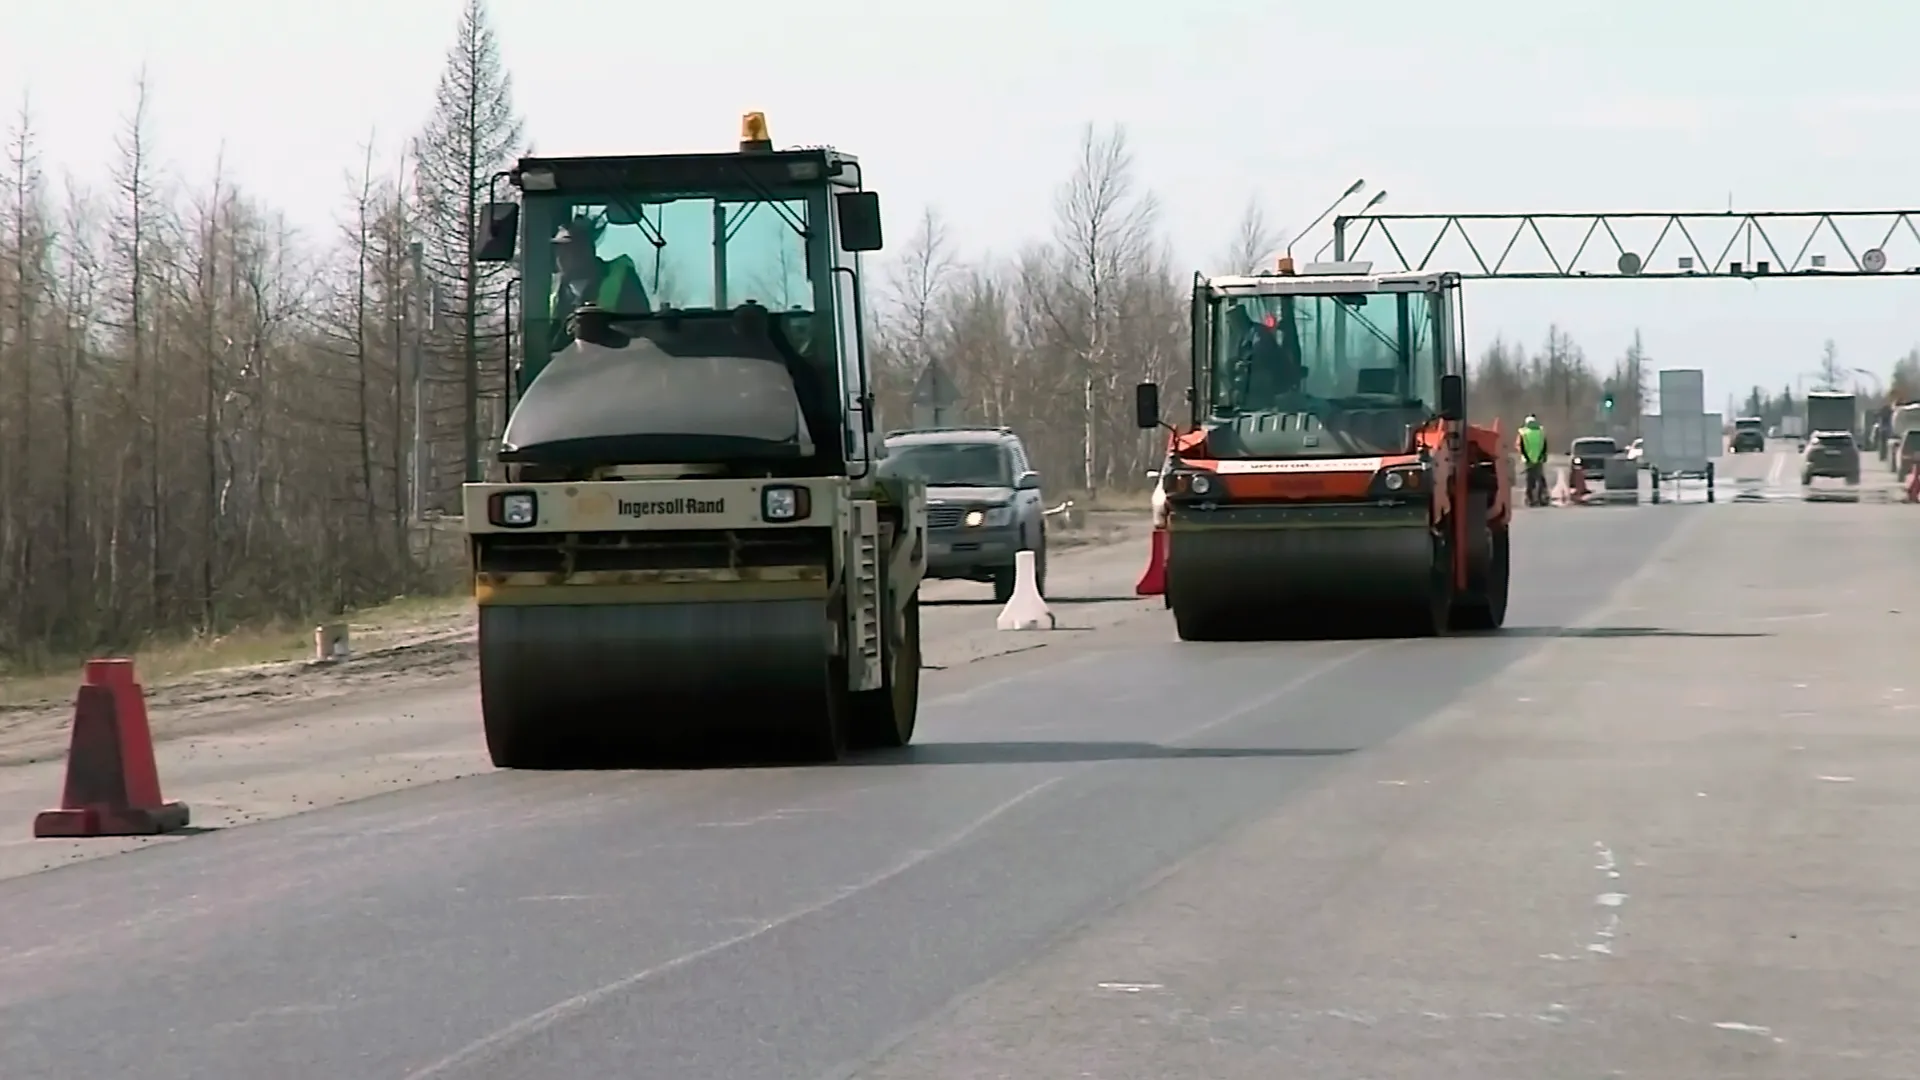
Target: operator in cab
582, 276
1267, 369
1531, 442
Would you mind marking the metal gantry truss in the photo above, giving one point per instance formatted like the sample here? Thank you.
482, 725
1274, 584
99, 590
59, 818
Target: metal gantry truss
1551, 246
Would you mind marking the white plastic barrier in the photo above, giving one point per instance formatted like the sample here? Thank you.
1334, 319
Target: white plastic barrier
1026, 609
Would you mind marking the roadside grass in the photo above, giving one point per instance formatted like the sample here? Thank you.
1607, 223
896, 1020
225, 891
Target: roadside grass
169, 658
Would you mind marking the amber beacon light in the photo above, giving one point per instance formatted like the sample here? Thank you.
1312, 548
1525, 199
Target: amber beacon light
753, 132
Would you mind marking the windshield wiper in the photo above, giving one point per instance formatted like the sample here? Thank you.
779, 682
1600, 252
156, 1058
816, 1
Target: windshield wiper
767, 196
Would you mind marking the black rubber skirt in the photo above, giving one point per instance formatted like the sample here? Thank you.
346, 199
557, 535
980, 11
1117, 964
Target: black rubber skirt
737, 677
1300, 582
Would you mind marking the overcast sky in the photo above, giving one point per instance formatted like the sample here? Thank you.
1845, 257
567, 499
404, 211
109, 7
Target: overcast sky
1455, 106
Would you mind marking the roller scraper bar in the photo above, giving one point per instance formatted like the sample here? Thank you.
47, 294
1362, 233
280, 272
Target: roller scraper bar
1637, 244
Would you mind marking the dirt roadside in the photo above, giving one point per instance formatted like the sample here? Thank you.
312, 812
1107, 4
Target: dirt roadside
404, 655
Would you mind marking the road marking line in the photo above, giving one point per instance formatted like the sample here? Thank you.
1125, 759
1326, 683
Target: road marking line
1283, 689
553, 1014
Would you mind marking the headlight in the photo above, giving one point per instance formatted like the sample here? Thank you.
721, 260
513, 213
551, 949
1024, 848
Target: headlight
1401, 481
513, 509
1192, 483
994, 516
785, 503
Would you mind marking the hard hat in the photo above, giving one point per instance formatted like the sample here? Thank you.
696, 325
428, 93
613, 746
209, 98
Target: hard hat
579, 227
1532, 420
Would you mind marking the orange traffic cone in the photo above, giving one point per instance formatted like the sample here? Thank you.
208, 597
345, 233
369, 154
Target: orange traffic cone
1577, 484
1153, 582
1913, 484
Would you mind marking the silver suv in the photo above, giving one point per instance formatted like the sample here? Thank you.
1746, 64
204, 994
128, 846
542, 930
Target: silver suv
1831, 454
983, 502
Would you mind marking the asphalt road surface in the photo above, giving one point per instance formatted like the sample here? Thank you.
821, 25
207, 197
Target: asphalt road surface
1664, 825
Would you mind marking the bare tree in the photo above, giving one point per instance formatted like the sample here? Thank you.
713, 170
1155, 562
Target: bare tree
1254, 240
1103, 224
26, 248
1833, 374
137, 234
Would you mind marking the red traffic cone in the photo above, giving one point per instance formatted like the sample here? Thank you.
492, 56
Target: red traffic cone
1153, 582
113, 785
1577, 481
1913, 484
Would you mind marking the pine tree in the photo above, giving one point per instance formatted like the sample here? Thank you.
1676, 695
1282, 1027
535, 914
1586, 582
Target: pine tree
473, 133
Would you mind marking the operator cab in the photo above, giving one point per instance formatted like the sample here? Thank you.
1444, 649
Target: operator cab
690, 312
1327, 363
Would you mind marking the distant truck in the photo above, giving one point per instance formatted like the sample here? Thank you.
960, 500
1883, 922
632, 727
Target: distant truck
1831, 410
1749, 435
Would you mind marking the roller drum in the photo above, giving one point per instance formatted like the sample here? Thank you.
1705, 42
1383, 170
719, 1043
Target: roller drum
1314, 582
741, 677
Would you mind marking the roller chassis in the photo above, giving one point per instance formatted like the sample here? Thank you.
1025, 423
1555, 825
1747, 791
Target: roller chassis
1321, 524
869, 546
688, 545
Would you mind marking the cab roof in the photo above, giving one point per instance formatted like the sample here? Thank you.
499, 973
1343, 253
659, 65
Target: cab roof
925, 436
1324, 284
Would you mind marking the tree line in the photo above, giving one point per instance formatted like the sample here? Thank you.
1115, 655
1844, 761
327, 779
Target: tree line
208, 419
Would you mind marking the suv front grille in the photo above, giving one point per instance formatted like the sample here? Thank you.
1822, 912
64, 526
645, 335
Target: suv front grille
945, 517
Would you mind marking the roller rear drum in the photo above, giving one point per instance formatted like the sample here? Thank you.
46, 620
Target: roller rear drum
602, 683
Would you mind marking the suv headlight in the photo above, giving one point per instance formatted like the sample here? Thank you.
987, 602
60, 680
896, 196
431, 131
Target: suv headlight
513, 509
993, 517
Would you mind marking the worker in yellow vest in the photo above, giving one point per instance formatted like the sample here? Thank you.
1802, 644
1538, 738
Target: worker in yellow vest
1531, 442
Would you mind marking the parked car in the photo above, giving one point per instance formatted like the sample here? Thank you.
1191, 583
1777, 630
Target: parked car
983, 502
1909, 453
1591, 454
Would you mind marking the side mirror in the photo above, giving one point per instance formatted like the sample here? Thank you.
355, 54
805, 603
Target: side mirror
1453, 397
1146, 406
499, 231
1029, 481
859, 220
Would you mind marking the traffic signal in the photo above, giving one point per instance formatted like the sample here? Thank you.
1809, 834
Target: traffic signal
1607, 402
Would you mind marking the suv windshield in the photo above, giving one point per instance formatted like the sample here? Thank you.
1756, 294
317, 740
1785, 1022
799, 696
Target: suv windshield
1595, 447
950, 464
